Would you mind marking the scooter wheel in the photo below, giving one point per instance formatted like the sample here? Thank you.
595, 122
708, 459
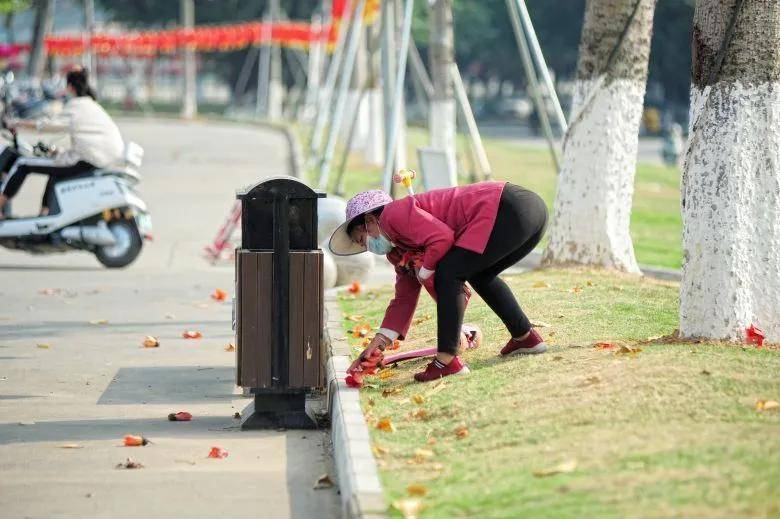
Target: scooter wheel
125, 250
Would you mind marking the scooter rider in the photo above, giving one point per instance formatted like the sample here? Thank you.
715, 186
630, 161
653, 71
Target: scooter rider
95, 141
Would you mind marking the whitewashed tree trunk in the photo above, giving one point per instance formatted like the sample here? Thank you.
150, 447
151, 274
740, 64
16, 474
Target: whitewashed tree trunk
374, 151
592, 208
442, 115
731, 182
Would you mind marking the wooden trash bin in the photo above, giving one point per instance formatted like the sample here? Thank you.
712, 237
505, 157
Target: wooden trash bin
280, 355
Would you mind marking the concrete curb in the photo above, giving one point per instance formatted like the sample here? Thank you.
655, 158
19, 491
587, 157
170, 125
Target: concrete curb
356, 470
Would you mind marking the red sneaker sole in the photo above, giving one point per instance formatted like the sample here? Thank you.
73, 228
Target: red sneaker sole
536, 350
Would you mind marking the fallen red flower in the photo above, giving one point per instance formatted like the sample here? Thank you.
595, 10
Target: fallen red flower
218, 452
181, 416
755, 336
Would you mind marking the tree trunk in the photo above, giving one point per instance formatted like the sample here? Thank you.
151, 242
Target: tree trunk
596, 183
44, 17
442, 116
731, 182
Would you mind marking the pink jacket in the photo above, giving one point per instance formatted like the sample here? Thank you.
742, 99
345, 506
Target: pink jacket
431, 223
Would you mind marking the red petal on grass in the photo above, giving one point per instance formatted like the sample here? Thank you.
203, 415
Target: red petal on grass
604, 345
755, 336
354, 288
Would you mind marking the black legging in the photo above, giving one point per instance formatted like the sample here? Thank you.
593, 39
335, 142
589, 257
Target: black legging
520, 224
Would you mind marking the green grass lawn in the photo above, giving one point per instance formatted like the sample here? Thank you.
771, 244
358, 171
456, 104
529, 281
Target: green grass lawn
671, 430
656, 224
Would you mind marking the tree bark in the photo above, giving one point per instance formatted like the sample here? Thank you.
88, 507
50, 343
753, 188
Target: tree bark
593, 203
731, 182
44, 18
442, 114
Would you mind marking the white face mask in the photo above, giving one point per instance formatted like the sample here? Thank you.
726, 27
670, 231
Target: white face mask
379, 245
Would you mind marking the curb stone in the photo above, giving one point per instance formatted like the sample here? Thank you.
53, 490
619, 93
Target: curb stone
356, 471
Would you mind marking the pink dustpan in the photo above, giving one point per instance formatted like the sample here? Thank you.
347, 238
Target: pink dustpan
472, 338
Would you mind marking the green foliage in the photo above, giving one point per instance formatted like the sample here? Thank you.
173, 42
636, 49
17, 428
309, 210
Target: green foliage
13, 6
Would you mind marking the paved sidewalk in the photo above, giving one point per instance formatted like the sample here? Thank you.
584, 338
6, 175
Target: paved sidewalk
68, 382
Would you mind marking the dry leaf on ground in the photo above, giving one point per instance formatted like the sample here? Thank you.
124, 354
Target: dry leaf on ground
386, 373
409, 508
462, 432
560, 468
230, 347
540, 324
540, 284
151, 342
129, 464
421, 319
385, 424
421, 414
44, 345
417, 490
323, 481
421, 456
418, 399
604, 345
575, 290
590, 381
99, 321
380, 451
355, 318
628, 350
71, 446
767, 405
181, 416
391, 391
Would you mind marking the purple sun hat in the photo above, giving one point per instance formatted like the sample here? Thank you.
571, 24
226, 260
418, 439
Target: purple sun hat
340, 242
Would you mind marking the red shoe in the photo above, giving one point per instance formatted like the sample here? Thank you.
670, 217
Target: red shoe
530, 345
436, 370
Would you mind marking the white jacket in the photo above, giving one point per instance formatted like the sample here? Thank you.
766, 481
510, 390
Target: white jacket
94, 137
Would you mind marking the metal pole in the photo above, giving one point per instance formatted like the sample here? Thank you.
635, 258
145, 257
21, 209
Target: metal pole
89, 26
189, 107
406, 33
341, 97
339, 190
537, 50
243, 76
419, 69
388, 69
533, 82
471, 123
314, 68
275, 90
323, 107
263, 68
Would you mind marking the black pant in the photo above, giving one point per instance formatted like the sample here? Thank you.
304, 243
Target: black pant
19, 167
520, 224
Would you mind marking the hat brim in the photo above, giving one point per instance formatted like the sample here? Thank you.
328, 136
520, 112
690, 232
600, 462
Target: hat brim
341, 244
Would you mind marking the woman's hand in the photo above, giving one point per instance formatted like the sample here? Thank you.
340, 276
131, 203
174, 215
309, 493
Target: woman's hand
378, 343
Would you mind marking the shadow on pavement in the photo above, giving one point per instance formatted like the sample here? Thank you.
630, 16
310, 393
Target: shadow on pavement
170, 385
60, 268
84, 430
61, 328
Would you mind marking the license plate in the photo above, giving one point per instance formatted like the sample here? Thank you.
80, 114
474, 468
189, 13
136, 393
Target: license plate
144, 221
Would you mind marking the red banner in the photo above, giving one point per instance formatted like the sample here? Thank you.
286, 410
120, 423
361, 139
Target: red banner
216, 38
